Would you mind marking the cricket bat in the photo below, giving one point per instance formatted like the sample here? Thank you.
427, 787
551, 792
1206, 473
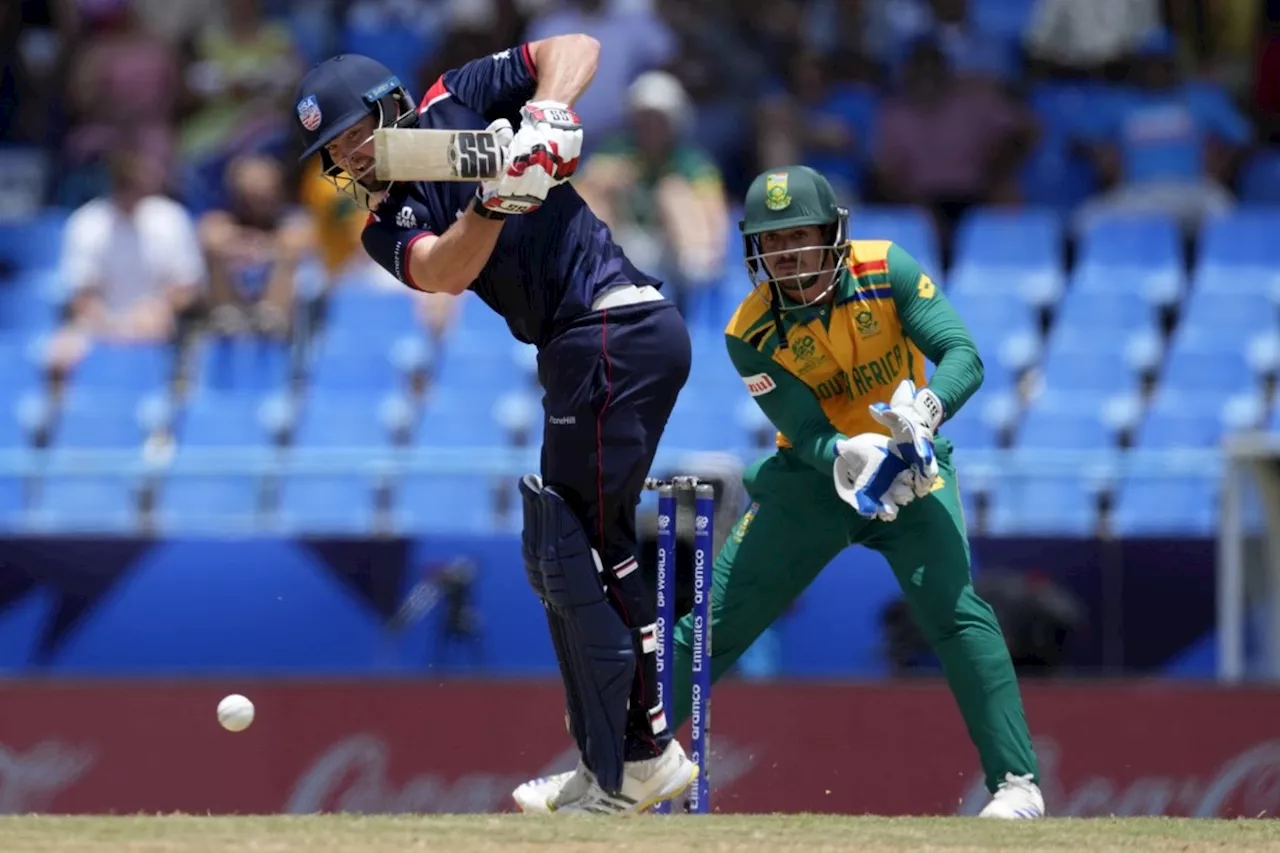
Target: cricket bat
410, 154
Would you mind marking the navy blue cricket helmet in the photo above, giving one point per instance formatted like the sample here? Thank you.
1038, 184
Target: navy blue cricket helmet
335, 95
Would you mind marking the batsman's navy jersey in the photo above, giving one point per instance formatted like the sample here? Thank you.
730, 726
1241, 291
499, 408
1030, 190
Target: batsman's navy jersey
549, 265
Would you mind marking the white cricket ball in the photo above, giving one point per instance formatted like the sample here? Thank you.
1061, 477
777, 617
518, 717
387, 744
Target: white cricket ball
235, 713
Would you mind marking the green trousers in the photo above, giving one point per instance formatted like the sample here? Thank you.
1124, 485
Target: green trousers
798, 526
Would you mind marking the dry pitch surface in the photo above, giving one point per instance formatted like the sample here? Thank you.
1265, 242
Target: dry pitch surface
678, 834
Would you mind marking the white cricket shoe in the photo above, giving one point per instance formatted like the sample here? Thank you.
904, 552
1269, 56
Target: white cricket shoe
1017, 798
644, 785
537, 795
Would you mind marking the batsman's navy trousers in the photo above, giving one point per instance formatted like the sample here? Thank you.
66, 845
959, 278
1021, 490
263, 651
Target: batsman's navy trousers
611, 379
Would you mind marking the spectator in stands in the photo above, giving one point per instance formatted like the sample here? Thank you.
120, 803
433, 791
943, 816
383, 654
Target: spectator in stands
891, 27
1220, 39
1088, 38
773, 29
632, 40
18, 97
1165, 146
724, 80
243, 74
131, 262
660, 193
402, 34
178, 22
1266, 86
823, 120
946, 145
123, 88
255, 249
971, 53
338, 222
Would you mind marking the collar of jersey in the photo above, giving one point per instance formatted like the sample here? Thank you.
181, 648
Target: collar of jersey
845, 286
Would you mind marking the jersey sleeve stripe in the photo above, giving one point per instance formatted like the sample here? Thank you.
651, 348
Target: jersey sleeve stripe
869, 267
526, 53
408, 254
437, 92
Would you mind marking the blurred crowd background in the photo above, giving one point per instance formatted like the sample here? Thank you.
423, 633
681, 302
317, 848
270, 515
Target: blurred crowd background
193, 342
1093, 182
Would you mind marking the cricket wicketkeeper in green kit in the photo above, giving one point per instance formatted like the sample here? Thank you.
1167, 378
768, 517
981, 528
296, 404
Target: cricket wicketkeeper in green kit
832, 343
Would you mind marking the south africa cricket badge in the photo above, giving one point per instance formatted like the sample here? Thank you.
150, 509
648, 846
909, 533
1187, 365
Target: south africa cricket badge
866, 323
776, 194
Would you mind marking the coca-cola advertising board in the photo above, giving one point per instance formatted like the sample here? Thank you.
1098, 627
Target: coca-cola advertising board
462, 746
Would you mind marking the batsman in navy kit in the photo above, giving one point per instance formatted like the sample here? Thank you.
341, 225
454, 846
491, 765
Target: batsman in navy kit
613, 355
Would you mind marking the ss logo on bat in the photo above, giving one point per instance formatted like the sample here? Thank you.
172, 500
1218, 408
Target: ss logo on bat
477, 155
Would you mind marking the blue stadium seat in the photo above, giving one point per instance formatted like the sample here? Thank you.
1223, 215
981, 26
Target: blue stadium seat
1146, 241
1064, 108
447, 504
1095, 372
18, 366
1224, 281
1055, 174
223, 420
1042, 505
1233, 317
241, 365
694, 425
30, 303
34, 243
909, 227
1259, 182
351, 362
1242, 240
1015, 253
1065, 422
477, 325
104, 503
364, 311
1024, 239
491, 369
1112, 312
1142, 254
721, 391
125, 368
1166, 506
994, 320
457, 418
350, 419
13, 503
1180, 418
990, 309
229, 502
967, 429
1005, 19
712, 370
99, 419
327, 503
1211, 371
16, 425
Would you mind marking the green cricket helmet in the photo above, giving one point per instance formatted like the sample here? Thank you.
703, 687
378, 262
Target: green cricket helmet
792, 197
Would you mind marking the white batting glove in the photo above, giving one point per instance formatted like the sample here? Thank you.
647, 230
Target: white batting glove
520, 188
912, 417
871, 477
556, 128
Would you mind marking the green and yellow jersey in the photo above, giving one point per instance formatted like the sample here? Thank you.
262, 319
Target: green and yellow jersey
683, 161
886, 318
